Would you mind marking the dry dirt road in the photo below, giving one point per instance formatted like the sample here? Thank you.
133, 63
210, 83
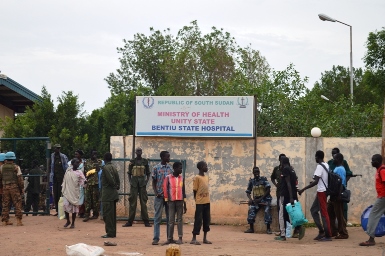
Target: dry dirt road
45, 235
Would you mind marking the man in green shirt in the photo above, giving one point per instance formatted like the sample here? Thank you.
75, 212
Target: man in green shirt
111, 185
349, 174
138, 177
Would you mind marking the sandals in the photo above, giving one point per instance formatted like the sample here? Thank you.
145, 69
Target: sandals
341, 237
367, 243
320, 236
106, 243
195, 243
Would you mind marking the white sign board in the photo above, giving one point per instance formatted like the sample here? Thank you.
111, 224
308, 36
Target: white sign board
194, 116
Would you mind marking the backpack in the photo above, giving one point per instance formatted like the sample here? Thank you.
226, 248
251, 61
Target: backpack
334, 187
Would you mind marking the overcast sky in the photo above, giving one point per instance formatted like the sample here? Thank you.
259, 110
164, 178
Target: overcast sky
71, 45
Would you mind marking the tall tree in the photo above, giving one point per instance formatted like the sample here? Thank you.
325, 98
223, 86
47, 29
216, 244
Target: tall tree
375, 61
191, 63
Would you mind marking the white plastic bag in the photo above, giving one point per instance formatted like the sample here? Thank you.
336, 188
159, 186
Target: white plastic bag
61, 215
81, 249
288, 230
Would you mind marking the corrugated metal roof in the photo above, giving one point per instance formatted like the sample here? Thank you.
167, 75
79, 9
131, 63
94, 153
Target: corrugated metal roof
15, 96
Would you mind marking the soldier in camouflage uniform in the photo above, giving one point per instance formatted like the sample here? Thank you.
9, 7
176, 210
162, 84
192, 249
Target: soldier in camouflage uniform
138, 177
258, 192
92, 191
12, 184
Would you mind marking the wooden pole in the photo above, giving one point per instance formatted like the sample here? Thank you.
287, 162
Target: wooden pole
383, 136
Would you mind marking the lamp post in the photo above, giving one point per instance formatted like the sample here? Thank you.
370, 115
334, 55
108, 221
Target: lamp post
325, 98
324, 17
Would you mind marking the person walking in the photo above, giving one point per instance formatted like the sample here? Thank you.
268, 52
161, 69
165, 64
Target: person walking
320, 178
379, 204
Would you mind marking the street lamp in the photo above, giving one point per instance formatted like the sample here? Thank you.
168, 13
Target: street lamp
325, 98
324, 17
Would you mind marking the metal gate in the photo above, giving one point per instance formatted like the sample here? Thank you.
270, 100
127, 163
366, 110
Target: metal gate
41, 147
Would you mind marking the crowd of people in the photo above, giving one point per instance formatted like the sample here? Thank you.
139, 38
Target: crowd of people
83, 187
328, 212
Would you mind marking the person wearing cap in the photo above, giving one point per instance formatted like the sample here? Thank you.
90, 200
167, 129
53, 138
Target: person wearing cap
2, 158
138, 177
12, 184
59, 165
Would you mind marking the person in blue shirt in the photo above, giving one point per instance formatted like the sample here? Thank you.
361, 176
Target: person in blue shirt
335, 205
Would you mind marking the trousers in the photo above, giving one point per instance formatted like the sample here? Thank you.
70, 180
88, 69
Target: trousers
133, 202
202, 214
92, 200
320, 205
175, 207
11, 193
253, 210
375, 215
109, 217
32, 200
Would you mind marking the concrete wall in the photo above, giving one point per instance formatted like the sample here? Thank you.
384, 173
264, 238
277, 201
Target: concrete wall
230, 163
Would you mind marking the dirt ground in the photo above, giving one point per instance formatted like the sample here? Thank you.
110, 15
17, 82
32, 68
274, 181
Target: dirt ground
45, 235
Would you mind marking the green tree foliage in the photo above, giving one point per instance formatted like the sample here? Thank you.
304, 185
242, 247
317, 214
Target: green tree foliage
64, 125
375, 62
190, 63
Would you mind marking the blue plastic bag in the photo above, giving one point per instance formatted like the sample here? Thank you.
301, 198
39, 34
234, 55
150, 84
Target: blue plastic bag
296, 215
380, 230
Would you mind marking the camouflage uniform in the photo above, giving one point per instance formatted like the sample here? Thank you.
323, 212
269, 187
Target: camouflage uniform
256, 188
92, 190
12, 185
139, 170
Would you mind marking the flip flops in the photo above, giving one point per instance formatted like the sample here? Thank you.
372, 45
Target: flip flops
301, 233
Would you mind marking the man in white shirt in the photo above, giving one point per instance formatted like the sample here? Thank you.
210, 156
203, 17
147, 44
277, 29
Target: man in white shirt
320, 202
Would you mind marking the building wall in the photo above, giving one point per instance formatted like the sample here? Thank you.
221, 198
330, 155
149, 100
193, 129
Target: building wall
230, 163
4, 111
